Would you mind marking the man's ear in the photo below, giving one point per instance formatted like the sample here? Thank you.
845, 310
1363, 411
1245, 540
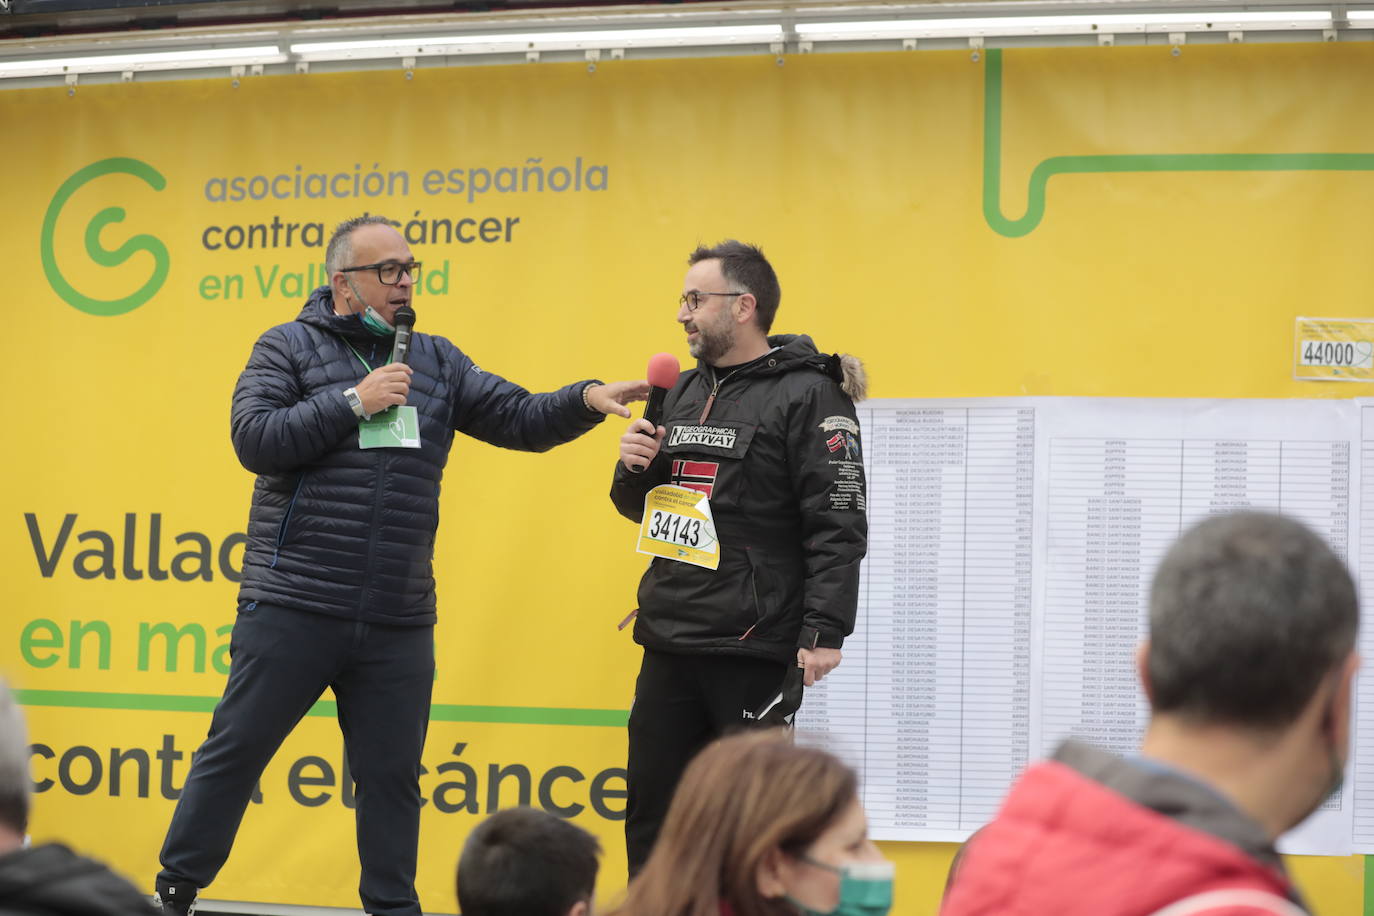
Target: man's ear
581, 908
745, 307
771, 873
1142, 670
338, 284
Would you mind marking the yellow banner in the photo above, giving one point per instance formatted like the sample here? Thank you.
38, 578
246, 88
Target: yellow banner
1098, 221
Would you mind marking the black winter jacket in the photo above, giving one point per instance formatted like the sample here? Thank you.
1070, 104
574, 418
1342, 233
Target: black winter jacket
779, 457
51, 880
348, 532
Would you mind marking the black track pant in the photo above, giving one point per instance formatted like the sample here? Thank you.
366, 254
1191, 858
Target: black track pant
282, 660
682, 703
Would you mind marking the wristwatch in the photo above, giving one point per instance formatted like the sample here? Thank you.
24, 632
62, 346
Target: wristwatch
355, 402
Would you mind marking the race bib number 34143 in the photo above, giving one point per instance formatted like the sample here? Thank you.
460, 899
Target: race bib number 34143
677, 525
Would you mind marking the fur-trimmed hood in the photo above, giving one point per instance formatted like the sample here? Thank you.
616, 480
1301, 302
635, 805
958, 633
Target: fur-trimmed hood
855, 381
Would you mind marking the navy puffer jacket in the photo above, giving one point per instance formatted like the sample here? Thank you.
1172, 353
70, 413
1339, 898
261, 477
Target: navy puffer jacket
338, 530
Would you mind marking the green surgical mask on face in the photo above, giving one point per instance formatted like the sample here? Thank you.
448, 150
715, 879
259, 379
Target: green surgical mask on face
865, 889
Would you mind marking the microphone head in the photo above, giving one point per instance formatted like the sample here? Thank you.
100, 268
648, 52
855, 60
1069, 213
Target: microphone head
405, 315
663, 370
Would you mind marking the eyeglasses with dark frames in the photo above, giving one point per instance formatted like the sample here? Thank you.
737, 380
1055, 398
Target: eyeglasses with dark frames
389, 272
692, 298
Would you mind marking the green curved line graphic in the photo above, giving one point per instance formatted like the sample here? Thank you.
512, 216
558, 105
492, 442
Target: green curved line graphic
1081, 165
97, 252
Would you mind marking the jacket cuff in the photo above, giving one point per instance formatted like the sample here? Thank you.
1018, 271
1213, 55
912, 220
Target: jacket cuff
818, 638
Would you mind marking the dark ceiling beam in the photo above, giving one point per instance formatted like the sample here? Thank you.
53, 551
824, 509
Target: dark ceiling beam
41, 18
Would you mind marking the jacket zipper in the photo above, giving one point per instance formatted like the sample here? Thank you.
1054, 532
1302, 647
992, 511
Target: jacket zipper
286, 521
758, 605
372, 529
711, 398
715, 390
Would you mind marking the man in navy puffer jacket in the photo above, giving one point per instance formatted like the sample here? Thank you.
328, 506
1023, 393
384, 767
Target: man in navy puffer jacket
338, 586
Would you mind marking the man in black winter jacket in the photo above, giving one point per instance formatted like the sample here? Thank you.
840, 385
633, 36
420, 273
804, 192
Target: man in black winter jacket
765, 430
47, 880
338, 587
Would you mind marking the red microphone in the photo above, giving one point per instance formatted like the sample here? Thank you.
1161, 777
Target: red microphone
662, 375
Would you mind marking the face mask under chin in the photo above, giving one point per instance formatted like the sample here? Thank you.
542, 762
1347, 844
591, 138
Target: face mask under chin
374, 322
370, 317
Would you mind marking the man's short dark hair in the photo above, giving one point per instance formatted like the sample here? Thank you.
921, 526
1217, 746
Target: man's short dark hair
1248, 613
746, 267
526, 862
15, 782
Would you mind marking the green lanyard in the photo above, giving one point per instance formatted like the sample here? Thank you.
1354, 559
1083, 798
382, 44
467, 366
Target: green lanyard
395, 427
350, 346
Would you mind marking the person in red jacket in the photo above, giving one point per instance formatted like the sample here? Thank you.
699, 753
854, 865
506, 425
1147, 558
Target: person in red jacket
1249, 669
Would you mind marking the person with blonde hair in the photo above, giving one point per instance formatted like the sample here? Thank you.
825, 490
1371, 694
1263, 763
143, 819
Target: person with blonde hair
761, 827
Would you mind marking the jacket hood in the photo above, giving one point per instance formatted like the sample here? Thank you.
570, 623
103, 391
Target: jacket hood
319, 311
798, 351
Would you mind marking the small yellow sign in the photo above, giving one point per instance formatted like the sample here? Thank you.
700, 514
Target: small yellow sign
1339, 349
677, 526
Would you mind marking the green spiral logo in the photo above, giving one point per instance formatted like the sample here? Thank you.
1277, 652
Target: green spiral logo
98, 252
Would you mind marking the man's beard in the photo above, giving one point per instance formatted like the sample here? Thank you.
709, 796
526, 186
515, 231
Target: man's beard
712, 343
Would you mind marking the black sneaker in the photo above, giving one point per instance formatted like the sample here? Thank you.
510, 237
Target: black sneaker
175, 899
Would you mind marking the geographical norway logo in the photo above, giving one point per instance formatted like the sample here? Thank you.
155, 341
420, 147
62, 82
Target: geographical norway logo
97, 252
714, 436
844, 423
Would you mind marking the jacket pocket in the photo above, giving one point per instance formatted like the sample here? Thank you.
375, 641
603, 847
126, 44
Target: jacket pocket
283, 530
776, 588
763, 591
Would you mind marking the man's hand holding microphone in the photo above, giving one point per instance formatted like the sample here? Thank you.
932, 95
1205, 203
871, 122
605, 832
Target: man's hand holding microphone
389, 385
383, 387
640, 443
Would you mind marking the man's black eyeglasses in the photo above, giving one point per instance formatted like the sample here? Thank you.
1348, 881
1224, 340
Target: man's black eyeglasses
693, 299
389, 272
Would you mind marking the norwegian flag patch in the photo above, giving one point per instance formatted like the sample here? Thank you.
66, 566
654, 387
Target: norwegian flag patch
845, 441
695, 475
